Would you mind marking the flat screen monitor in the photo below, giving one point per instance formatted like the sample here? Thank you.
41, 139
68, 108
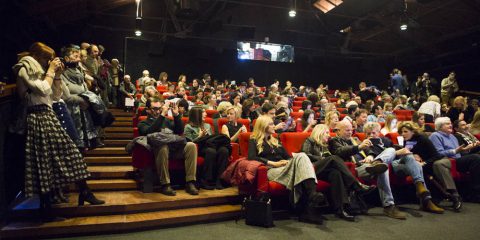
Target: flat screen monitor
265, 52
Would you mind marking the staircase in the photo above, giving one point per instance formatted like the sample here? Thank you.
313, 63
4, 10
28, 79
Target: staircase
126, 208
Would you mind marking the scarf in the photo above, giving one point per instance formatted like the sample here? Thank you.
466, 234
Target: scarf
32, 66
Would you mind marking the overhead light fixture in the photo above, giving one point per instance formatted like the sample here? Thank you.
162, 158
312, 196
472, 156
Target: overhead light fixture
293, 9
138, 18
404, 18
327, 5
403, 26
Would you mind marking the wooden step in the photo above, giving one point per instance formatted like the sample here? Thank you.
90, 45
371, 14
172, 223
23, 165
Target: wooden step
122, 124
123, 119
116, 143
119, 129
121, 222
110, 171
108, 160
107, 151
111, 135
123, 202
112, 184
122, 114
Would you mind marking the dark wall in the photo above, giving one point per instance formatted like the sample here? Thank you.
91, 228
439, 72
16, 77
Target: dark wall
174, 58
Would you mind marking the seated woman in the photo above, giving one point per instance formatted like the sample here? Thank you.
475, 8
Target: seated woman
306, 104
198, 99
475, 124
307, 122
296, 174
332, 168
210, 102
222, 108
331, 120
216, 160
170, 93
390, 125
232, 128
248, 110
433, 162
150, 91
460, 110
419, 120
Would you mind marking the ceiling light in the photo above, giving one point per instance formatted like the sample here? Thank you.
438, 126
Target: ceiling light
292, 13
403, 26
138, 33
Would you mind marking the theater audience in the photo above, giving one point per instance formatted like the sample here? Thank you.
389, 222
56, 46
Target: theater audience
158, 121
216, 159
447, 145
296, 174
376, 114
390, 125
232, 128
430, 109
127, 90
449, 87
475, 124
360, 120
419, 120
460, 110
307, 122
331, 120
464, 137
433, 163
332, 169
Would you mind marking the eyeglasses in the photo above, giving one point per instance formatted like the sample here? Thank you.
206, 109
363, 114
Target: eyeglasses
156, 109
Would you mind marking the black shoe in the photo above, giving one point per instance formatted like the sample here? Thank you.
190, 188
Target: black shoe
457, 203
87, 196
168, 190
219, 185
316, 199
309, 216
191, 189
341, 213
205, 185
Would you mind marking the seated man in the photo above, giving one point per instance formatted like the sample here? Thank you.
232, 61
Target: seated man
157, 121
403, 162
464, 136
447, 145
346, 147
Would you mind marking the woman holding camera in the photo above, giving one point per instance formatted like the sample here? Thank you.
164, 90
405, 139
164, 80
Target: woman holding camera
52, 160
216, 159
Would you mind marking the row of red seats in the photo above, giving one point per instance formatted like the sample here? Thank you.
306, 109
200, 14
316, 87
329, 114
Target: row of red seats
292, 142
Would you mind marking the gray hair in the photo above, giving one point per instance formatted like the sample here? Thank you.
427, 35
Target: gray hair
439, 122
370, 126
434, 98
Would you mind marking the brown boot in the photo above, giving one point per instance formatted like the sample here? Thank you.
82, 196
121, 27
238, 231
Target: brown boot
429, 206
420, 189
393, 212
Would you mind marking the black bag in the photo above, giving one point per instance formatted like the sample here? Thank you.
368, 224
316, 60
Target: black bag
258, 212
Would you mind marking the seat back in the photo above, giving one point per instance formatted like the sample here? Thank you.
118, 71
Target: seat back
296, 115
297, 103
360, 136
300, 99
243, 141
211, 113
393, 136
293, 141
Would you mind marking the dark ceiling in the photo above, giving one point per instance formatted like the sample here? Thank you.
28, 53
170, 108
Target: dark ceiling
436, 28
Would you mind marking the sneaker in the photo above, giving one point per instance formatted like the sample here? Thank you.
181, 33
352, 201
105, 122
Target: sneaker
376, 168
393, 212
168, 190
191, 189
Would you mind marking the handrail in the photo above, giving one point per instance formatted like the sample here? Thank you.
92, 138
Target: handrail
469, 92
8, 90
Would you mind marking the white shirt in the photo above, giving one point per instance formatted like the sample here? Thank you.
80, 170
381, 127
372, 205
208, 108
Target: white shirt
431, 108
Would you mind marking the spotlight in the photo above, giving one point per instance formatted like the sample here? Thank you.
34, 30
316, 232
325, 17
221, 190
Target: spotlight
403, 26
293, 9
138, 33
292, 13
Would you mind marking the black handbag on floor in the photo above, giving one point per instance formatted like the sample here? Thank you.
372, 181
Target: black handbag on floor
258, 212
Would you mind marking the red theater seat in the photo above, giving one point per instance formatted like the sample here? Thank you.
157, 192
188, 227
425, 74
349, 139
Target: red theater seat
300, 99
211, 113
296, 115
297, 103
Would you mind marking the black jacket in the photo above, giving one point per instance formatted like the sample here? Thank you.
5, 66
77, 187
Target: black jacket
268, 154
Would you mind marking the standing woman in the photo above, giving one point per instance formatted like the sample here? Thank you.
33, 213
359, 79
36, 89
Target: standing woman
216, 159
296, 174
232, 128
332, 168
52, 160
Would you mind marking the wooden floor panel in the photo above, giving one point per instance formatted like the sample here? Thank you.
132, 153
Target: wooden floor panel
107, 151
108, 160
110, 171
121, 222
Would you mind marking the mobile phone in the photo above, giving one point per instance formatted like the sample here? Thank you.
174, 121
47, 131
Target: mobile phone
288, 123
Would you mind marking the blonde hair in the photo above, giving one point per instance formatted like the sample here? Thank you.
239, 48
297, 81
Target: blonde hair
329, 107
475, 124
461, 100
388, 122
328, 117
223, 106
434, 98
410, 126
235, 109
258, 134
318, 134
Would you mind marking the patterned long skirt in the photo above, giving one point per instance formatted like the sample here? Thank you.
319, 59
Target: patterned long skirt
52, 160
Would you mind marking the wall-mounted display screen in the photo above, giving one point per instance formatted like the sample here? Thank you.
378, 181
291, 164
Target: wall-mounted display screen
265, 52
